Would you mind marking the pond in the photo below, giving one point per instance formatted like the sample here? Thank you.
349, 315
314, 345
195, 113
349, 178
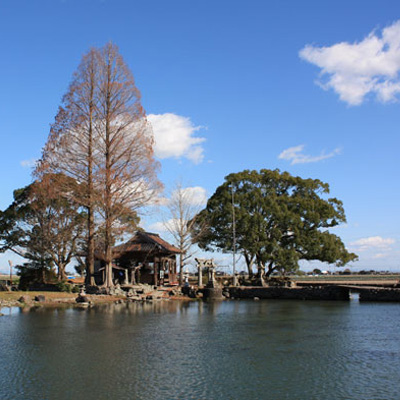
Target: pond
195, 350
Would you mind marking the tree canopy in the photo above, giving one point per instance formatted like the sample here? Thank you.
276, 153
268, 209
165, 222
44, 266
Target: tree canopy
43, 224
280, 219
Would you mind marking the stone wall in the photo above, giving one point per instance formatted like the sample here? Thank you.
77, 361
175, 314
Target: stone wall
303, 293
379, 294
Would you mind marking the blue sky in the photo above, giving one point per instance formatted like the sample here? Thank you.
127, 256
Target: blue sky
309, 87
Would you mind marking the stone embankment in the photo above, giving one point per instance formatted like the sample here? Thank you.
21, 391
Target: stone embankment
296, 293
379, 294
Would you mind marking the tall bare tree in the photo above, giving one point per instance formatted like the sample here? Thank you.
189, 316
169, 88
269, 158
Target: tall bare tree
70, 148
101, 137
183, 206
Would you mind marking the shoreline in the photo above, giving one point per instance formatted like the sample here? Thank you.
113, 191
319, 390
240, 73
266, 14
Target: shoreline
59, 299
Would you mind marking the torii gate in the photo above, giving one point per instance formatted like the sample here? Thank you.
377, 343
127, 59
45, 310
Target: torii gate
210, 265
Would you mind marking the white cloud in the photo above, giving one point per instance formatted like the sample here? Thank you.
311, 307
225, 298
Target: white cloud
174, 137
157, 227
29, 163
379, 255
296, 155
194, 196
372, 243
354, 70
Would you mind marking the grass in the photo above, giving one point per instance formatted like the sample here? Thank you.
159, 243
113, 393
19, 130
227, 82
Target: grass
13, 296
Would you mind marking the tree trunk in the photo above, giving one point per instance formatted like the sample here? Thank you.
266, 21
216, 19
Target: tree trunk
90, 248
249, 264
108, 281
61, 276
108, 183
271, 269
90, 251
260, 274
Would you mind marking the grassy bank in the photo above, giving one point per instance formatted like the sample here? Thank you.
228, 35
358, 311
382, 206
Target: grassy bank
14, 296
11, 299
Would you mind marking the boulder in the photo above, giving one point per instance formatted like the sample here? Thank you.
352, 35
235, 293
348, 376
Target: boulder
82, 299
25, 299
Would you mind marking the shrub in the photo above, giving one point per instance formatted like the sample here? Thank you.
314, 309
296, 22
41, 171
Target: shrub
64, 287
34, 274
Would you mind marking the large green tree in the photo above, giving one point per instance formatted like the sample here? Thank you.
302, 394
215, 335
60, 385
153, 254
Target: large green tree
280, 220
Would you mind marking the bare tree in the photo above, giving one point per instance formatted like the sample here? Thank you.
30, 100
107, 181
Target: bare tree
102, 139
70, 148
183, 206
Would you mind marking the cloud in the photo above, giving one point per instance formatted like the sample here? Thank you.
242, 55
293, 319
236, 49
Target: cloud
192, 200
379, 255
354, 70
174, 137
29, 163
373, 243
193, 196
296, 156
157, 227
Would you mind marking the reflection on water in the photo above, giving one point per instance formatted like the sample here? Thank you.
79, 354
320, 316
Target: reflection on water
195, 350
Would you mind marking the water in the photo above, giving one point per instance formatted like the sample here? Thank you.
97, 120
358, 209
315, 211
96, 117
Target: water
230, 350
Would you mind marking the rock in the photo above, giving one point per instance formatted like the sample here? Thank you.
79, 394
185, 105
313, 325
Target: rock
134, 298
93, 290
40, 298
82, 299
25, 299
212, 293
185, 290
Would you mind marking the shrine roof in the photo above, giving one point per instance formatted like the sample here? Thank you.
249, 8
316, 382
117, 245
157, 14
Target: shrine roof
145, 242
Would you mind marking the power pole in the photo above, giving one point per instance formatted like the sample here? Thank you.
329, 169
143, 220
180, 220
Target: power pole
234, 240
10, 264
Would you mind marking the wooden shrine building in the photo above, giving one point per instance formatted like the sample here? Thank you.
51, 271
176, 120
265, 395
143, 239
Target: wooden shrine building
146, 258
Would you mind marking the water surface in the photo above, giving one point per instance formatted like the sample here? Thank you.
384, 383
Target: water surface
228, 350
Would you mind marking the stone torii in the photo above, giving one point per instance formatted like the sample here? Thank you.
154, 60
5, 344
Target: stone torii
210, 265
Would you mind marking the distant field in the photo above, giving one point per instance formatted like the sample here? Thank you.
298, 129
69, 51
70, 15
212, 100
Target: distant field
3, 277
323, 278
358, 280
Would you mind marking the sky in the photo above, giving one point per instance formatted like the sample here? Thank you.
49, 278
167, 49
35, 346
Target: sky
307, 87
